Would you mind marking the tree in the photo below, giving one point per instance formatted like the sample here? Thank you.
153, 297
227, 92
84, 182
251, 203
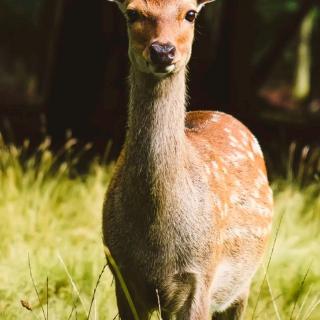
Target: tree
232, 67
302, 85
78, 71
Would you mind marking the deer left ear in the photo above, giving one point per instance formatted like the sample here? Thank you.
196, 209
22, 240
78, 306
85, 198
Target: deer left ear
202, 3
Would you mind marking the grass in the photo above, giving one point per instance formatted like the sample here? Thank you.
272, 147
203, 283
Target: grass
50, 217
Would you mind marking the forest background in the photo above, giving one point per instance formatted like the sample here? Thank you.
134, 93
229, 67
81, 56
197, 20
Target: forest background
63, 97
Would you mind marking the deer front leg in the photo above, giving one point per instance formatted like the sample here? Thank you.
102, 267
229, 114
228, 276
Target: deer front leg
197, 307
125, 312
235, 311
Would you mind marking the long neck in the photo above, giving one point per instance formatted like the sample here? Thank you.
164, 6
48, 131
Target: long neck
155, 141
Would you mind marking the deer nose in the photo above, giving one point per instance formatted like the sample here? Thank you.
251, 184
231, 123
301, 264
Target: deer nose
162, 54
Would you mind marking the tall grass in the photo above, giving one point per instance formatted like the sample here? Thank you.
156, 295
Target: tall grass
293, 277
52, 215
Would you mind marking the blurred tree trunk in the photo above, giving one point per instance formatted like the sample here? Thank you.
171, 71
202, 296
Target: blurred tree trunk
302, 85
283, 37
316, 63
232, 69
111, 114
206, 41
51, 23
77, 77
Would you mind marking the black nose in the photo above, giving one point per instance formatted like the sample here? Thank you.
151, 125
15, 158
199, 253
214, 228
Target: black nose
162, 53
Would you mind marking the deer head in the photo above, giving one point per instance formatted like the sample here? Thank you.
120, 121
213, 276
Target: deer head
160, 33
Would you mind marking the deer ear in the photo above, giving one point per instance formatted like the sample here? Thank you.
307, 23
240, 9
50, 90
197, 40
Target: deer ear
118, 2
202, 3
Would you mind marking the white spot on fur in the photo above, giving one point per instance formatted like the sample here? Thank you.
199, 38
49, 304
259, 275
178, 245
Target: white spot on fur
263, 176
225, 209
233, 139
234, 198
250, 155
247, 232
216, 175
270, 195
208, 146
263, 211
260, 181
215, 118
217, 201
223, 161
237, 183
236, 157
256, 194
245, 138
215, 165
256, 147
252, 205
234, 145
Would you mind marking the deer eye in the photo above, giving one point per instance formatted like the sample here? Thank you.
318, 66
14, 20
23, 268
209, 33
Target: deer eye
133, 16
191, 15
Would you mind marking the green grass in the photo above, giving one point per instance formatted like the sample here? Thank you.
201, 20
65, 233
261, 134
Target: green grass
52, 215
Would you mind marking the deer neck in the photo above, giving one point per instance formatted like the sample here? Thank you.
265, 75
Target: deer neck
155, 142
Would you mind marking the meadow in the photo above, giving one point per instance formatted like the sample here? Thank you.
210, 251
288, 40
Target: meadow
51, 253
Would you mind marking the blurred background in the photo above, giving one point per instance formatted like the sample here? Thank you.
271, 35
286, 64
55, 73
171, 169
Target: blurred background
63, 65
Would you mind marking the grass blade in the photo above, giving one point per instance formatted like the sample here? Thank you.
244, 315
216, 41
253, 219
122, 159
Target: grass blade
95, 289
123, 285
74, 306
35, 287
159, 305
73, 283
312, 308
47, 298
268, 265
303, 303
299, 292
276, 309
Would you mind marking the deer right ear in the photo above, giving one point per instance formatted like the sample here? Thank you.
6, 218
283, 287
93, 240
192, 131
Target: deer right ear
118, 2
202, 3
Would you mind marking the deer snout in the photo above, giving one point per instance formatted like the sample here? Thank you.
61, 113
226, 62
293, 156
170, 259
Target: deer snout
162, 53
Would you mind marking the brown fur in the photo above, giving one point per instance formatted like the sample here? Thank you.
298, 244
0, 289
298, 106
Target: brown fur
189, 208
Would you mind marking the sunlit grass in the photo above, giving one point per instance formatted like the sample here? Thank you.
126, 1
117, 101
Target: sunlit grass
56, 220
53, 215
294, 271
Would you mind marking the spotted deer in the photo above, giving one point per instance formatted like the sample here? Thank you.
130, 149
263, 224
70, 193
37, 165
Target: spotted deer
189, 209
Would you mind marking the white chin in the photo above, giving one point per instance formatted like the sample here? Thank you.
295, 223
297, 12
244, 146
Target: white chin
167, 70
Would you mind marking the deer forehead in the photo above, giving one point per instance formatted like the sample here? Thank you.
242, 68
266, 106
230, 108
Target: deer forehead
161, 8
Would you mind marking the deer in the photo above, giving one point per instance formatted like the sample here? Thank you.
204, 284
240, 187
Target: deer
188, 211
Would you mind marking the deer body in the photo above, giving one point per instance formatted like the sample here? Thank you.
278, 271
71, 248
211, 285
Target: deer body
188, 211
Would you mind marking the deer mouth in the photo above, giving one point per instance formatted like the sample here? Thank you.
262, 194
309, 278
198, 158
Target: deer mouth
162, 69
